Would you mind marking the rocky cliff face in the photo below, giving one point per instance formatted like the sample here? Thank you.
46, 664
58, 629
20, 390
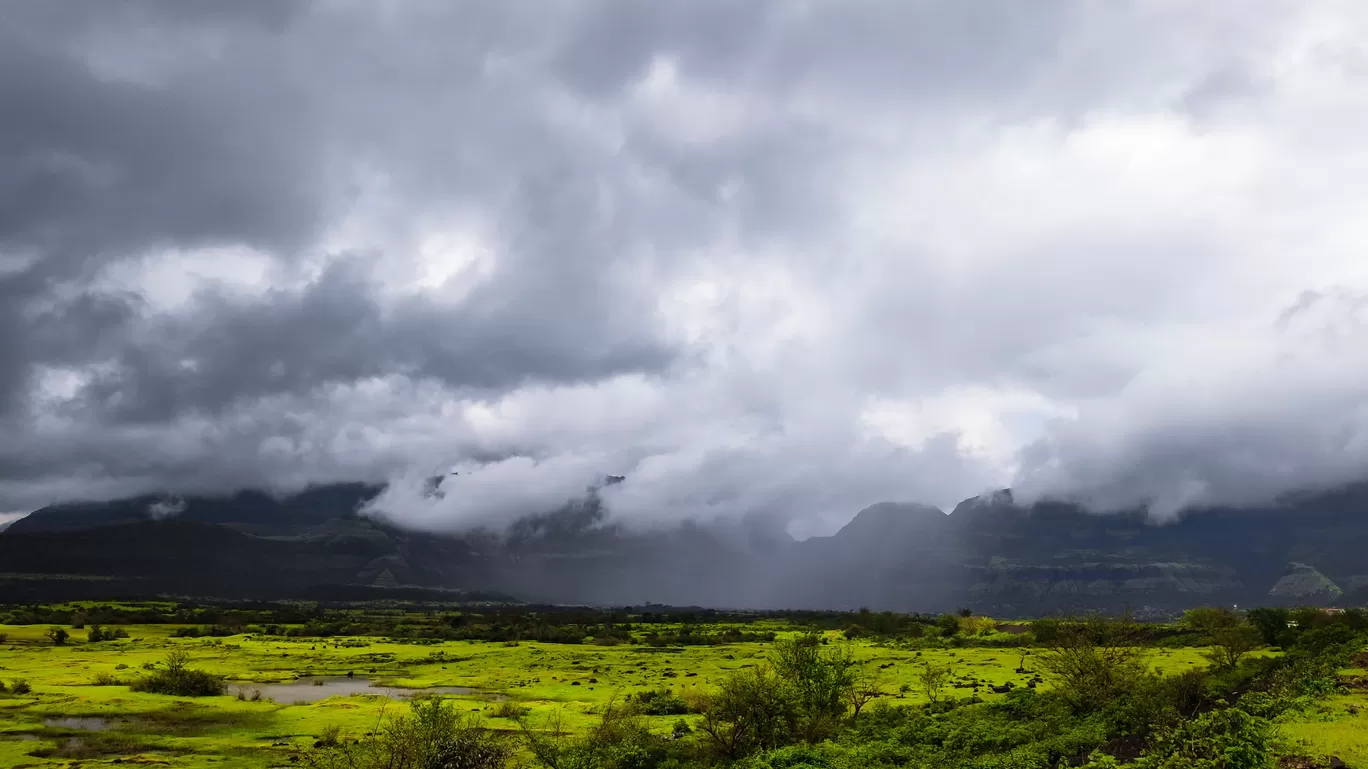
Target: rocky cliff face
989, 554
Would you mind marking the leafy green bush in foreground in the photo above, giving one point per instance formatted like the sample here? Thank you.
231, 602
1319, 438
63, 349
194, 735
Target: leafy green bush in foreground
177, 678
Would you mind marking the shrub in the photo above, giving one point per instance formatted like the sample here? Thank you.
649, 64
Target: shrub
751, 711
972, 625
328, 737
97, 634
434, 736
660, 702
176, 678
1221, 739
107, 679
620, 740
1094, 660
509, 709
20, 686
1045, 630
58, 635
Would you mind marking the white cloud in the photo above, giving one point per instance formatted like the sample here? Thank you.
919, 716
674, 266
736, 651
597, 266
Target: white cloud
761, 262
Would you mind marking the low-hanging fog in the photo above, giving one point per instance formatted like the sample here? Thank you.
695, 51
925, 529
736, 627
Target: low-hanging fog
761, 259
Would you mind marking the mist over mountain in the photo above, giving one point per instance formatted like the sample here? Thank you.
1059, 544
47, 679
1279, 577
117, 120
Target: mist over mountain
990, 554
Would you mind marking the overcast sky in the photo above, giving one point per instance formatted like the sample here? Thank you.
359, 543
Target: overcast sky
762, 258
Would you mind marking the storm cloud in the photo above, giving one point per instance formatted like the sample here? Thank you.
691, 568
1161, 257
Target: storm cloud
763, 259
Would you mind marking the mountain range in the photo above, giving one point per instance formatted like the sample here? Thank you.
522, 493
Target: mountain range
989, 554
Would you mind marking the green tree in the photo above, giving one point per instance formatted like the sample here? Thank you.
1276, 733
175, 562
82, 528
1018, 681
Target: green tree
1045, 630
752, 710
932, 679
58, 635
820, 679
867, 686
1094, 659
1209, 619
948, 624
1232, 644
1271, 622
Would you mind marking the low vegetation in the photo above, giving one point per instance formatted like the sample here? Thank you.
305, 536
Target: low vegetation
433, 736
1216, 689
176, 677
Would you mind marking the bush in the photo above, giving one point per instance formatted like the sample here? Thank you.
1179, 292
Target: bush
751, 711
509, 709
176, 678
660, 702
97, 634
434, 736
58, 635
20, 686
328, 737
1094, 660
1045, 630
620, 740
1228, 738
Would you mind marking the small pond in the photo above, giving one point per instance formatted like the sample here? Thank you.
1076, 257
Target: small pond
83, 723
315, 688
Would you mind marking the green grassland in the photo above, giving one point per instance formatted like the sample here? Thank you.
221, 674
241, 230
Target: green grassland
576, 681
70, 684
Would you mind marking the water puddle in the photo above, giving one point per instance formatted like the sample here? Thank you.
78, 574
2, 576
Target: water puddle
83, 723
313, 689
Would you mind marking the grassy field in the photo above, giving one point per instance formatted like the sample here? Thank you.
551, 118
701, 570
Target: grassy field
74, 716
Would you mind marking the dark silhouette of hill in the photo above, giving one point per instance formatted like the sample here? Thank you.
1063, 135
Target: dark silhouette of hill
989, 554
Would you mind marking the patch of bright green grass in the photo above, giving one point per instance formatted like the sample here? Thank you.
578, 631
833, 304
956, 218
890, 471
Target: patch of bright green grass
1336, 726
574, 681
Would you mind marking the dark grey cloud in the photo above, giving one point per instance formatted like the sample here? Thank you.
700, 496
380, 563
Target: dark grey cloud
761, 258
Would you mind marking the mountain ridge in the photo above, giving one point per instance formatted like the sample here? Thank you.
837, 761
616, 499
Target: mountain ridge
989, 554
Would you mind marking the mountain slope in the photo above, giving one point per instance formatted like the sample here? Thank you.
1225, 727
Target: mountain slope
989, 554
